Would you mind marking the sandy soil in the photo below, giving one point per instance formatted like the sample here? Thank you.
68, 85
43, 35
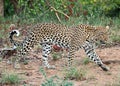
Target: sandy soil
95, 76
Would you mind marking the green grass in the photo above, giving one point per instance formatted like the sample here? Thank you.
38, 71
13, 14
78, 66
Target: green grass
115, 38
10, 78
54, 80
86, 61
76, 74
56, 55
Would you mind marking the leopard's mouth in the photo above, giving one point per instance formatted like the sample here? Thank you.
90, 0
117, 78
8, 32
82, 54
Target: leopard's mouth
102, 42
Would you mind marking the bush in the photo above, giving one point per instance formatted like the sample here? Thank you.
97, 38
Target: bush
71, 7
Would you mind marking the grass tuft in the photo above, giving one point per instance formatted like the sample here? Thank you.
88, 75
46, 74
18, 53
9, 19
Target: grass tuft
77, 74
10, 78
86, 61
56, 55
54, 80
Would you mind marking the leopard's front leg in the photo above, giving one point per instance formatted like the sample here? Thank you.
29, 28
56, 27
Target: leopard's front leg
89, 50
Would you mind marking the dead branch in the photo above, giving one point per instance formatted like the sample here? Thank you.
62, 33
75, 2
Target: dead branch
58, 11
57, 16
7, 52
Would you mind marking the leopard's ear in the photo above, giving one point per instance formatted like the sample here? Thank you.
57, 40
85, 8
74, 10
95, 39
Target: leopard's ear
107, 27
95, 28
12, 27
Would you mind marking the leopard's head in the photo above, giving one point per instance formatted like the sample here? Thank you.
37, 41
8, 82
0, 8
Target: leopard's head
98, 34
102, 34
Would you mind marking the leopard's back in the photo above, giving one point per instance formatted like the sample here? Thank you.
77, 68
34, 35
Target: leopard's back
44, 33
62, 35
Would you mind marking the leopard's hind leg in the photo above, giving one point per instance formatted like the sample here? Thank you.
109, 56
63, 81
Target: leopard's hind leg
46, 49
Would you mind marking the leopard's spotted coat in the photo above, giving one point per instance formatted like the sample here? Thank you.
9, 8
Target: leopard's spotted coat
72, 38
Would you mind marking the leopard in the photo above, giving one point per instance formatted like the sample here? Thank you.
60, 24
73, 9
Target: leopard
71, 38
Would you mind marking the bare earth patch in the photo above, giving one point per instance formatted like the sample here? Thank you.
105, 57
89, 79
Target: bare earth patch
95, 76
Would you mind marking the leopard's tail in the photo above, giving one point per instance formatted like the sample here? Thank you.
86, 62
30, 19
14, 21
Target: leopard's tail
14, 42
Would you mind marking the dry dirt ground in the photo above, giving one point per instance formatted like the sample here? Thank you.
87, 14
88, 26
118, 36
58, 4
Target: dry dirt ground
95, 76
